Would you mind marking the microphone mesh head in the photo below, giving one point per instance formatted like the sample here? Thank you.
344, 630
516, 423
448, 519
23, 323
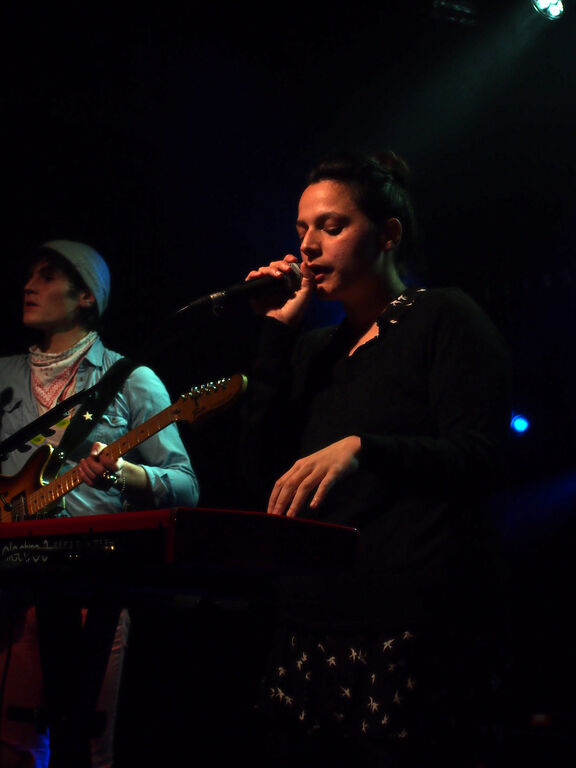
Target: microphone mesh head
294, 279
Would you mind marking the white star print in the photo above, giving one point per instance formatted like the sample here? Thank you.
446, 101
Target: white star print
407, 635
357, 656
281, 671
388, 645
301, 661
373, 705
331, 661
346, 692
364, 726
87, 416
385, 720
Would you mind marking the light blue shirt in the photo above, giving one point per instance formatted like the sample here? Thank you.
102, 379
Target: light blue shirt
142, 396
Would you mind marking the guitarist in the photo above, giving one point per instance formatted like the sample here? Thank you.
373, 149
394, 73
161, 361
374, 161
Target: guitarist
64, 298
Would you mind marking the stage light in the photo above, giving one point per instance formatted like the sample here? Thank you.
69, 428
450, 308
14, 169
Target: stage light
552, 9
519, 423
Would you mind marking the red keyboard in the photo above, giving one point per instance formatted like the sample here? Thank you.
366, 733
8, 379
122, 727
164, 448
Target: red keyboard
182, 536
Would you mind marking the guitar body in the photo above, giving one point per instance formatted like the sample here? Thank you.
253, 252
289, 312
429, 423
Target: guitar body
14, 490
33, 491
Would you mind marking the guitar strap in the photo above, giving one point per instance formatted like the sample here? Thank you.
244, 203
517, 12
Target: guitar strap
93, 404
114, 378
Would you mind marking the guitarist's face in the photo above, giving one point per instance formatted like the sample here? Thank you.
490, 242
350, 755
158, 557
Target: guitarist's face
51, 302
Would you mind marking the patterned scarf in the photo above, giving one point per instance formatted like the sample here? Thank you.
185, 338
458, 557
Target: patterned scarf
53, 374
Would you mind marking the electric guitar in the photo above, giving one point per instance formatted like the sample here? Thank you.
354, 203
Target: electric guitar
26, 495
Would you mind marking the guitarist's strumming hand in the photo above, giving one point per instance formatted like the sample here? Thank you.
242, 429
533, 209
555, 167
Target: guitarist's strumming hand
101, 471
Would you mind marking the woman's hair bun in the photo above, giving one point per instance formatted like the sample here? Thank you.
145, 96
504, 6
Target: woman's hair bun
392, 163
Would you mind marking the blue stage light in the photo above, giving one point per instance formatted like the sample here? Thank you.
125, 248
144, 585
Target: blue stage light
519, 423
552, 9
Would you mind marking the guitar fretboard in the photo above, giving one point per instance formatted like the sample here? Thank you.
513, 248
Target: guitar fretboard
59, 487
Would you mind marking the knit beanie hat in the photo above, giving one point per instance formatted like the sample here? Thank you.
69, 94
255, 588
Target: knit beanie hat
90, 266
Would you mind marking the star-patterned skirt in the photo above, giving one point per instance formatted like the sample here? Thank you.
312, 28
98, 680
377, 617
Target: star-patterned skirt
357, 685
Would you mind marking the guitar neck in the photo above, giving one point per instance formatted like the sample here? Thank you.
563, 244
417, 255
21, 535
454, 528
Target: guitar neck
59, 487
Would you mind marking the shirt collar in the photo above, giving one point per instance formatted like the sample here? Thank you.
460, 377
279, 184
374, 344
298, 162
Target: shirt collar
392, 313
95, 354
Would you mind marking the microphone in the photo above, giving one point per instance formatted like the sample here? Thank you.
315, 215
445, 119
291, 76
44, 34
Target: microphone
280, 288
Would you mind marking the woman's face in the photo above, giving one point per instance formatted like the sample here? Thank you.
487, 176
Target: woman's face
339, 244
51, 302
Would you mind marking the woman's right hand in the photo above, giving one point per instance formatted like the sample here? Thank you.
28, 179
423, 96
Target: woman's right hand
291, 310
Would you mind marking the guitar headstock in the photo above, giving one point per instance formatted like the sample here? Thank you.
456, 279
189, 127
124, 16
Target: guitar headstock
202, 399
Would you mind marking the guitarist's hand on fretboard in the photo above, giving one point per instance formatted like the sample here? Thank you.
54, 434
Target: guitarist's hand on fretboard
100, 469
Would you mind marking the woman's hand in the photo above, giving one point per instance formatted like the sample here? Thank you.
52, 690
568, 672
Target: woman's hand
290, 311
314, 474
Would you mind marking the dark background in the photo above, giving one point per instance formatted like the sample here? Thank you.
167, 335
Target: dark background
176, 142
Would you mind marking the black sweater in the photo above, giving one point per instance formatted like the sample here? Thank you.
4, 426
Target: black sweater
429, 397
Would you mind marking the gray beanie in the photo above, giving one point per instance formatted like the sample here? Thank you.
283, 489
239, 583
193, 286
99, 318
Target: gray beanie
90, 266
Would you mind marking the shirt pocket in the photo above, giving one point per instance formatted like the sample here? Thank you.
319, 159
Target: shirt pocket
110, 427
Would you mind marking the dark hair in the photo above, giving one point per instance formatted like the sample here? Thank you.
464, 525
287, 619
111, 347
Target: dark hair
87, 317
379, 186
